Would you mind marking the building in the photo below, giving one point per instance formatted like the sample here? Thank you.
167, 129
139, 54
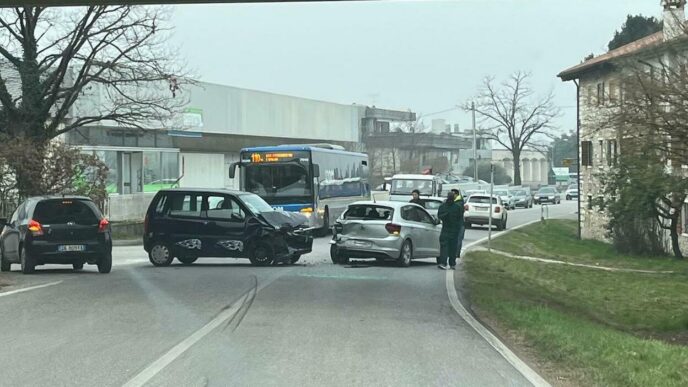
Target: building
534, 164
598, 86
217, 122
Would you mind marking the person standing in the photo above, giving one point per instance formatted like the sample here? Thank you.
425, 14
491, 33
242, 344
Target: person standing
451, 216
416, 197
458, 198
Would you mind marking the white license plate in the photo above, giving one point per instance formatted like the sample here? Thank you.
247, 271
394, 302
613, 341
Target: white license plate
66, 248
481, 208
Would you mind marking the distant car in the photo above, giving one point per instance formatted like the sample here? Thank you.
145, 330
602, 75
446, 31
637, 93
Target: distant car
547, 195
193, 223
522, 198
56, 230
477, 211
385, 231
432, 204
507, 198
572, 192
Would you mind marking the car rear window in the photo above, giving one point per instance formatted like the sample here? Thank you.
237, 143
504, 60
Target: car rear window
65, 211
482, 200
368, 212
432, 204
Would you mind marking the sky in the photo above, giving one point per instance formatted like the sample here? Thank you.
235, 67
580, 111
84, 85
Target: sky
428, 56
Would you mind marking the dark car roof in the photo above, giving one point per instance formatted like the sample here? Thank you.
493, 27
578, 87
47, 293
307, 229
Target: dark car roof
207, 190
51, 197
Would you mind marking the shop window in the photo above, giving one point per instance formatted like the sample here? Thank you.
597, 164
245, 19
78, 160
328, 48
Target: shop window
586, 153
160, 170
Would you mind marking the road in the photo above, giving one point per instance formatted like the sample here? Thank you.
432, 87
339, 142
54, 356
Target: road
224, 322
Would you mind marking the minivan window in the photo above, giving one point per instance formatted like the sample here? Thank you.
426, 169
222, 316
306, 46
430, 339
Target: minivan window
64, 211
188, 205
368, 212
225, 208
406, 186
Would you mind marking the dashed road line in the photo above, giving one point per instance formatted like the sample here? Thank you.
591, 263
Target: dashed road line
28, 289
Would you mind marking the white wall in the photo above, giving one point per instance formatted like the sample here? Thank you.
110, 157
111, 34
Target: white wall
203, 170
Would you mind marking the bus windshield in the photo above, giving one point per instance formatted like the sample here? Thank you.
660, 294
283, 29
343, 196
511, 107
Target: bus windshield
406, 186
280, 181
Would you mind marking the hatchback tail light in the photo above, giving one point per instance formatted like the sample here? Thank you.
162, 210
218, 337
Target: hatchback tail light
103, 225
393, 228
465, 207
498, 209
35, 227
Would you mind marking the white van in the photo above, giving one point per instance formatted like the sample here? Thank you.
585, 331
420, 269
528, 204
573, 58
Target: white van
404, 184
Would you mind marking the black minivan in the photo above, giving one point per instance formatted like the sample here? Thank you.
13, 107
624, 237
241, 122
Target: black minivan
190, 223
56, 229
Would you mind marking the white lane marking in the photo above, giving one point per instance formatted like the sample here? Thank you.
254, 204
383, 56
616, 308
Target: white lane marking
30, 288
166, 359
527, 372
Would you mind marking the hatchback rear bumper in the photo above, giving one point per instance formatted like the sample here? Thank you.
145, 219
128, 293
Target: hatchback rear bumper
386, 248
481, 220
47, 252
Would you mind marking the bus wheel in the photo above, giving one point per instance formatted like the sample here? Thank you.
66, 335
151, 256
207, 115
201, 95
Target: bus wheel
326, 224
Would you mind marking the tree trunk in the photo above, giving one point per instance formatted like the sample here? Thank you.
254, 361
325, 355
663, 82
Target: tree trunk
517, 167
674, 235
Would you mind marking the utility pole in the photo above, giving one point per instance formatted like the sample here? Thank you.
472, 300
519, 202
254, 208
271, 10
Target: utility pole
475, 145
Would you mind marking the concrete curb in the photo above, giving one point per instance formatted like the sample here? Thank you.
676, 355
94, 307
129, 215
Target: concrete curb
127, 242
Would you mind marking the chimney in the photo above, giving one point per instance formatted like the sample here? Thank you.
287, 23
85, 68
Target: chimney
674, 18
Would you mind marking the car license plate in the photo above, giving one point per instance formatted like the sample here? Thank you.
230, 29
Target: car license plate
66, 248
481, 208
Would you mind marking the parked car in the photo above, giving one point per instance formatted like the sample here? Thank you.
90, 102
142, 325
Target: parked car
522, 198
191, 223
477, 211
386, 231
547, 195
56, 230
507, 198
571, 192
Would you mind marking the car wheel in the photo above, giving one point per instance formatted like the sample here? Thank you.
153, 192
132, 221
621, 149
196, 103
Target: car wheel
294, 258
160, 255
334, 254
326, 224
5, 265
105, 263
568, 197
78, 266
262, 255
406, 254
504, 223
187, 260
28, 266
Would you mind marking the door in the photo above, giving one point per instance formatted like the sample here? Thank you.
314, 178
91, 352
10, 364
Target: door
431, 233
126, 173
11, 235
225, 226
182, 226
415, 229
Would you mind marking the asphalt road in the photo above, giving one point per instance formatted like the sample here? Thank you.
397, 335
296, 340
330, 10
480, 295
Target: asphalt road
226, 323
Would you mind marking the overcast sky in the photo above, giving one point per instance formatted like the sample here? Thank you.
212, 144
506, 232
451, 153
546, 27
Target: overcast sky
427, 56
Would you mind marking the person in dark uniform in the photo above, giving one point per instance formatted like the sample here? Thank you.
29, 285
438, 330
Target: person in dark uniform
458, 198
416, 197
451, 215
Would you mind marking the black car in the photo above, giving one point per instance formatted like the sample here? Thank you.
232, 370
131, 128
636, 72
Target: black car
56, 229
547, 195
192, 223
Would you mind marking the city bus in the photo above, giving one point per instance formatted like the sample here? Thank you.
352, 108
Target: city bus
317, 180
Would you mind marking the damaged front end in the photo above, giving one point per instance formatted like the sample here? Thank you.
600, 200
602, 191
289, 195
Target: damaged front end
289, 235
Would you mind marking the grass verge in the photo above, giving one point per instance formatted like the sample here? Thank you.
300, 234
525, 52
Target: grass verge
611, 329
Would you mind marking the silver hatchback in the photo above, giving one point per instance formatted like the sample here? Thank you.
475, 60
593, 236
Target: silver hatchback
385, 231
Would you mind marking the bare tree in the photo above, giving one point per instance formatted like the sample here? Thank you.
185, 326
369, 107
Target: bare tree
513, 116
51, 56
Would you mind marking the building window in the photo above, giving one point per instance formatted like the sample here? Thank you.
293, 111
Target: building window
586, 153
588, 95
613, 152
600, 93
601, 148
685, 219
612, 91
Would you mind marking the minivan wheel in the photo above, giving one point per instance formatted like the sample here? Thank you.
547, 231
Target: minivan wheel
262, 255
5, 265
187, 260
105, 263
28, 266
78, 266
406, 254
160, 255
